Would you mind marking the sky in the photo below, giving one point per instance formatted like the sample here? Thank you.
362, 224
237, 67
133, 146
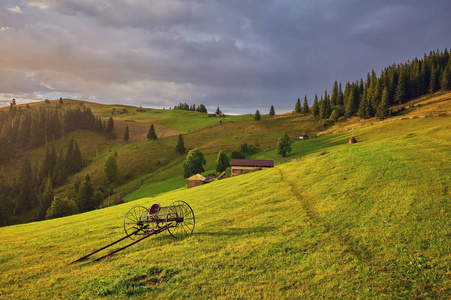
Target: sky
240, 55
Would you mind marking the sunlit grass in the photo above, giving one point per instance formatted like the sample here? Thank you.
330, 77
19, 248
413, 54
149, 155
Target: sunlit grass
368, 220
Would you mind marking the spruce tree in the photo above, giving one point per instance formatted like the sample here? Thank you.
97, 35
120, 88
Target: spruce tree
334, 97
218, 111
222, 162
257, 115
401, 88
74, 160
446, 79
111, 169
297, 108
272, 111
305, 109
110, 129
126, 134
59, 172
364, 108
46, 198
26, 198
340, 100
315, 106
85, 195
382, 109
180, 148
151, 135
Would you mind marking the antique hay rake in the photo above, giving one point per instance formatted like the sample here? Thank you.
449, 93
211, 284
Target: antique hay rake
140, 223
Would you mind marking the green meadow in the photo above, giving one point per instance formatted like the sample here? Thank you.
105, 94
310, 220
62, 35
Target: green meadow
332, 220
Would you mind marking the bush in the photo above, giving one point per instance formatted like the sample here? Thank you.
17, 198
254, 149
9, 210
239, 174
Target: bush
61, 208
237, 154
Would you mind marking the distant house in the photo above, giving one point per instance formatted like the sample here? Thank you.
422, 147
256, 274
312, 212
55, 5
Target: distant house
140, 109
303, 136
196, 180
221, 115
212, 115
242, 166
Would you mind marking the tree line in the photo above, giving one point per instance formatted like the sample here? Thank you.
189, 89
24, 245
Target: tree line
396, 84
184, 106
25, 128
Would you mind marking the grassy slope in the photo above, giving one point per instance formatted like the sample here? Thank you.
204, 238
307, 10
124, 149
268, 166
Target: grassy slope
369, 220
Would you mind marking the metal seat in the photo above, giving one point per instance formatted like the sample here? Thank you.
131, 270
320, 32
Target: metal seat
154, 209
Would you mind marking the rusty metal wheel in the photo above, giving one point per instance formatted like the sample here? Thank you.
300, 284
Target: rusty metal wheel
136, 220
180, 219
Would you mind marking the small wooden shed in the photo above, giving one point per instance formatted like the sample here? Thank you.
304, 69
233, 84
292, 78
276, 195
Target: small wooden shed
196, 180
303, 136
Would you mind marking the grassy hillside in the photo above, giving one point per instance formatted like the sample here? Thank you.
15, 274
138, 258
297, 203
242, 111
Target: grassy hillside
369, 220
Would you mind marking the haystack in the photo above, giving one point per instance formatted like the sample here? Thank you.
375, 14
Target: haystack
352, 140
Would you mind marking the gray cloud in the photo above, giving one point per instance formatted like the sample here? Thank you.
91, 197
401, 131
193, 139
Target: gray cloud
240, 55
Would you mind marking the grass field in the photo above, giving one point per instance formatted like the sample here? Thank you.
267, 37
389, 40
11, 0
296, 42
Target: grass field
368, 220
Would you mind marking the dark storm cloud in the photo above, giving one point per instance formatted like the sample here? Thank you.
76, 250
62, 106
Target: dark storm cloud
241, 55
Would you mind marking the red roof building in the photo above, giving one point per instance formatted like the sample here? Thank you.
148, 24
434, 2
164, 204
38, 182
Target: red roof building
242, 166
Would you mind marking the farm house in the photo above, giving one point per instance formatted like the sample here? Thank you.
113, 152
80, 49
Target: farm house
242, 166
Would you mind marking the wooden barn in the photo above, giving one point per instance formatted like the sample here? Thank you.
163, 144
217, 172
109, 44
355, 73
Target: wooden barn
196, 180
242, 166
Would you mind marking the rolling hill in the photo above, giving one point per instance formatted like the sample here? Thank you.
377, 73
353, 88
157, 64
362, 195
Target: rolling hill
367, 220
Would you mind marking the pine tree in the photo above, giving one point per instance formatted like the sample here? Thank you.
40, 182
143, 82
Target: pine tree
340, 100
351, 106
151, 135
297, 108
334, 97
364, 108
59, 172
74, 160
305, 109
126, 134
257, 115
46, 198
180, 148
382, 109
283, 145
433, 86
222, 162
111, 169
401, 88
110, 129
194, 163
272, 111
85, 195
26, 198
48, 164
446, 79
218, 111
315, 107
